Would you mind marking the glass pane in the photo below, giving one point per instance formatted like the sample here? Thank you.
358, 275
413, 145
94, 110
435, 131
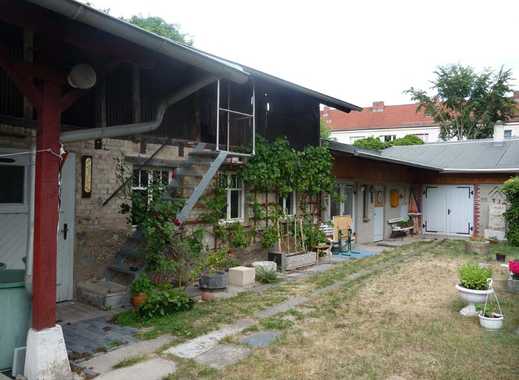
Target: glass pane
144, 178
12, 186
235, 204
136, 182
281, 202
290, 204
335, 203
348, 200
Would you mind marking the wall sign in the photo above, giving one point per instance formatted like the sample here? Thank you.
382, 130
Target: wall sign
86, 176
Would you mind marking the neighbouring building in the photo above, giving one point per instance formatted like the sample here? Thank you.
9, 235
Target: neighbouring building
449, 188
389, 122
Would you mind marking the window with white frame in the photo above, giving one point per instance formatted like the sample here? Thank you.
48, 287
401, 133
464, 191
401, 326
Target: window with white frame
142, 179
288, 204
508, 133
14, 184
387, 138
234, 191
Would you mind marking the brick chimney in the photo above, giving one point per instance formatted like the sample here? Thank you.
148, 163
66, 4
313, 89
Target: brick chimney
378, 107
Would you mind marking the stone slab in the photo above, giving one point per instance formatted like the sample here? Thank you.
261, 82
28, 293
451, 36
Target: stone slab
223, 355
242, 276
204, 343
266, 265
153, 369
104, 363
261, 339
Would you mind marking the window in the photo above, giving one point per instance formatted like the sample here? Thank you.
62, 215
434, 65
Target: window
288, 204
233, 186
387, 138
343, 203
12, 189
508, 133
142, 179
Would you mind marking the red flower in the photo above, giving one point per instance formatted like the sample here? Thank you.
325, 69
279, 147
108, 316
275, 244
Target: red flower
513, 266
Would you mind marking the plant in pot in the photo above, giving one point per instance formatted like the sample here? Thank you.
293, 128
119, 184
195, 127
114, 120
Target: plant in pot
473, 287
490, 316
213, 270
140, 289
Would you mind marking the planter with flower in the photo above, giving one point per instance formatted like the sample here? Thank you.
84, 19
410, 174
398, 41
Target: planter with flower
473, 287
491, 316
140, 289
513, 277
213, 270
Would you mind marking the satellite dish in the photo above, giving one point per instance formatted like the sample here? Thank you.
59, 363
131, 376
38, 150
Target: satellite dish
82, 76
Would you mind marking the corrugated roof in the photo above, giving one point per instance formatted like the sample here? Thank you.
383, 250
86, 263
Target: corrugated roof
455, 157
379, 116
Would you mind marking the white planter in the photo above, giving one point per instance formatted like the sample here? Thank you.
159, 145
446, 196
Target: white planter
491, 323
472, 297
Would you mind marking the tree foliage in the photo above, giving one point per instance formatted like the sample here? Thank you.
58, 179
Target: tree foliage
324, 131
374, 143
465, 103
161, 27
511, 191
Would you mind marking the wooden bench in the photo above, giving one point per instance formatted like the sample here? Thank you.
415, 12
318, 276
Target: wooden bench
396, 228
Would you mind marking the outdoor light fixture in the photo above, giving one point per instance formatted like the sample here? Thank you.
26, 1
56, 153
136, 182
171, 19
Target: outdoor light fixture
86, 176
82, 76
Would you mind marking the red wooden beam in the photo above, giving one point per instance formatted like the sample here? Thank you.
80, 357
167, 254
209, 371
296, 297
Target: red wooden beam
46, 209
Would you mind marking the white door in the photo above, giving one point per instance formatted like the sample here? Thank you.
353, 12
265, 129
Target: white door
460, 209
65, 262
378, 223
434, 209
448, 209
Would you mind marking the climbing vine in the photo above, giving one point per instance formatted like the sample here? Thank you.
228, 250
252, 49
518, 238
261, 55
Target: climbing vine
511, 191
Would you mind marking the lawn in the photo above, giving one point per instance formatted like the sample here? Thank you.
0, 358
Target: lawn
398, 320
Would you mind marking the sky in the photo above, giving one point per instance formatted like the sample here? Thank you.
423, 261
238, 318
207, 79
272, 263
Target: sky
358, 51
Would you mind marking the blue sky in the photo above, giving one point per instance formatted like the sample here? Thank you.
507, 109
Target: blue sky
359, 51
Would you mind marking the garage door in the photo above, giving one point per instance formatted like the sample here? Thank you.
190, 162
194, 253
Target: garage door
448, 209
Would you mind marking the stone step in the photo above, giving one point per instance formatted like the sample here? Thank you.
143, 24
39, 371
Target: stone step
103, 294
153, 369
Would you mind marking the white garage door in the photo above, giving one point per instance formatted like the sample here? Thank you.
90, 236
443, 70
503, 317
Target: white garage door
448, 209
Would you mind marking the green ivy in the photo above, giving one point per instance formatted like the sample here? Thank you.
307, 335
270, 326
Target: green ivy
511, 190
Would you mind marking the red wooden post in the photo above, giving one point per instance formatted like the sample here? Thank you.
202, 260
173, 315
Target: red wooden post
46, 209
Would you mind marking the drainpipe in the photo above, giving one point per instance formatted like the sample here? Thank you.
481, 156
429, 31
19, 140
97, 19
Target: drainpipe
137, 128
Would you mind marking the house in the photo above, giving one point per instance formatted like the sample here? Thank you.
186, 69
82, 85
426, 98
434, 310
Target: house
389, 122
91, 106
449, 188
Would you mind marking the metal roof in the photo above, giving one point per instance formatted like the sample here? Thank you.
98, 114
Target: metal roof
450, 157
187, 54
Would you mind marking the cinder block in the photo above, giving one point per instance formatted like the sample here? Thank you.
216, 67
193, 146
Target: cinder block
242, 276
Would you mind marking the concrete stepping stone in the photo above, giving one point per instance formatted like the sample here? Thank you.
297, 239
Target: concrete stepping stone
223, 355
261, 339
153, 369
105, 362
204, 343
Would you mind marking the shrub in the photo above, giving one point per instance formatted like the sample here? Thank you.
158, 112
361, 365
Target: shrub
511, 191
142, 284
266, 276
372, 143
407, 140
269, 237
473, 276
218, 260
164, 300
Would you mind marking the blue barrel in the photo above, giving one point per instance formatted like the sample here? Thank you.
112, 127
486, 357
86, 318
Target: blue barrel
15, 313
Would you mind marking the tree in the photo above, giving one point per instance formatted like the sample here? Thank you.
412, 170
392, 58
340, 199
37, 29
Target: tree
374, 143
159, 26
324, 130
466, 104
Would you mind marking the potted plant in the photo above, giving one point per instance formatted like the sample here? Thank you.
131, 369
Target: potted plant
490, 316
214, 269
140, 289
513, 278
478, 245
473, 287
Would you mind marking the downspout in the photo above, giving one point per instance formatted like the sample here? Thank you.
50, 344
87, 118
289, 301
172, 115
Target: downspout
137, 128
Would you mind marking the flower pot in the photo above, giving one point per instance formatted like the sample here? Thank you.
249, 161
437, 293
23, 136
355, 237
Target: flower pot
207, 296
513, 283
472, 297
480, 247
501, 257
213, 281
138, 300
491, 323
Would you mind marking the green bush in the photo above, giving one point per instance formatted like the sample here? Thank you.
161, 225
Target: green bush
511, 191
269, 237
218, 260
266, 276
473, 276
407, 140
142, 284
372, 143
164, 300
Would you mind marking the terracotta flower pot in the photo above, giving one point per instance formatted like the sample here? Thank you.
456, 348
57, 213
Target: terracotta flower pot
207, 296
138, 300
